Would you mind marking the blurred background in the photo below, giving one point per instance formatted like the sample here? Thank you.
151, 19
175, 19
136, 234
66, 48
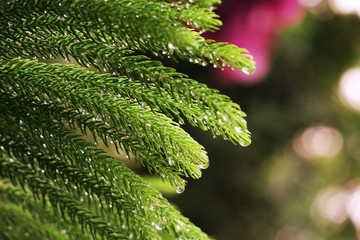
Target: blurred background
300, 178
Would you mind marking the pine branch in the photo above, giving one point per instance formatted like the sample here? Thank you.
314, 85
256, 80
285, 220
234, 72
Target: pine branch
202, 3
41, 187
101, 24
38, 211
111, 135
17, 224
80, 180
183, 90
104, 168
118, 96
153, 130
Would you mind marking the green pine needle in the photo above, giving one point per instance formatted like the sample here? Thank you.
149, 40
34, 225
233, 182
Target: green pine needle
107, 89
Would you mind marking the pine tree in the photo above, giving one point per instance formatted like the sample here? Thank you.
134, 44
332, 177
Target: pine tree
112, 87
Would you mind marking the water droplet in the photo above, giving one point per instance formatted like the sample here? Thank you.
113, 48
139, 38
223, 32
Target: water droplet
204, 165
157, 226
225, 117
244, 144
245, 70
179, 226
170, 161
153, 207
171, 46
238, 129
11, 160
180, 189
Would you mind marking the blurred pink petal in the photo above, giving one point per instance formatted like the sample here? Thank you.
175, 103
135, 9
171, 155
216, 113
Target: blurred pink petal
254, 25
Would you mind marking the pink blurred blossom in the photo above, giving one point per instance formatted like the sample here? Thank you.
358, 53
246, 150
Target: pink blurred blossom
254, 25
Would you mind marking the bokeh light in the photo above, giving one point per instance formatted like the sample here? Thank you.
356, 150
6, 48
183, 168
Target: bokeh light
345, 6
304, 139
353, 207
318, 141
349, 88
334, 205
329, 207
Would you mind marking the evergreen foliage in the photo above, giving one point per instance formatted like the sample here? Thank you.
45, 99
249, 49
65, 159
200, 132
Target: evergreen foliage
55, 183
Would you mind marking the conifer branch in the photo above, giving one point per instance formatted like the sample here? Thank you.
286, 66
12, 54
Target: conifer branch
41, 187
153, 130
201, 3
38, 211
79, 154
158, 35
109, 135
17, 224
153, 74
119, 96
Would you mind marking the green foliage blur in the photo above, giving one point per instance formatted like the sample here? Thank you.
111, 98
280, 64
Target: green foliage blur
267, 190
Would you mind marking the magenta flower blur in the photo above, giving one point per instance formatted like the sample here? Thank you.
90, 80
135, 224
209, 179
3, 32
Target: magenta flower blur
254, 25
